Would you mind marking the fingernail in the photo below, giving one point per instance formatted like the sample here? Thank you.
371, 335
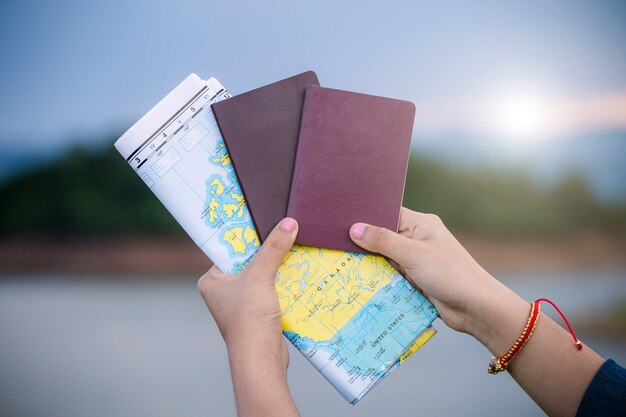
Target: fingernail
358, 230
288, 224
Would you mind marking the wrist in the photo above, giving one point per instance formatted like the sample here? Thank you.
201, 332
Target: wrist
265, 350
498, 318
258, 366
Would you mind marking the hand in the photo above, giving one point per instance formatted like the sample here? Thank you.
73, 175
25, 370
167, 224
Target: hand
549, 368
245, 306
437, 264
246, 309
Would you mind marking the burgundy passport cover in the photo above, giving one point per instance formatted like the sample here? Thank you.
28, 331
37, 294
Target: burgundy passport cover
260, 130
350, 167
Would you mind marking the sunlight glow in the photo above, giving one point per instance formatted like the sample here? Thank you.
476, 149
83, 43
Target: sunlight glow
520, 115
523, 116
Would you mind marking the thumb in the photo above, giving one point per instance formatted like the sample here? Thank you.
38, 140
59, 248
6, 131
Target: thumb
384, 241
268, 258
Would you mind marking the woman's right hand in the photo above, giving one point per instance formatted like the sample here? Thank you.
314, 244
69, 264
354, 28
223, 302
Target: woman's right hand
438, 265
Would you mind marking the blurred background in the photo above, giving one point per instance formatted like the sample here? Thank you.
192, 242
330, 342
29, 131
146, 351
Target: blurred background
519, 145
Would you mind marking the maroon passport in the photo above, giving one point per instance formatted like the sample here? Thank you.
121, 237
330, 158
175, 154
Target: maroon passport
351, 163
260, 130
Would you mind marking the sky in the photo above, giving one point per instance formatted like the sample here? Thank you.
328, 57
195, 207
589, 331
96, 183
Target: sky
520, 73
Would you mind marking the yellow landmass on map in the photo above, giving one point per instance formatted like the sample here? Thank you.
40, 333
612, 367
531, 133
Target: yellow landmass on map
237, 197
223, 160
234, 238
240, 238
417, 344
219, 186
213, 206
250, 236
234, 209
231, 210
319, 294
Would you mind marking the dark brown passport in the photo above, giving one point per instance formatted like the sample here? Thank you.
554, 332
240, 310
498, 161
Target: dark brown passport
351, 163
260, 130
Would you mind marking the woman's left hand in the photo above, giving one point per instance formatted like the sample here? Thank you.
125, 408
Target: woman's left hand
245, 306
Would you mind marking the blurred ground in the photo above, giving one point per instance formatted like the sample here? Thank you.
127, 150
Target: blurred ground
107, 346
158, 256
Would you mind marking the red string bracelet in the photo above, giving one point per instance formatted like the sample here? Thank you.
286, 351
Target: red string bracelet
500, 364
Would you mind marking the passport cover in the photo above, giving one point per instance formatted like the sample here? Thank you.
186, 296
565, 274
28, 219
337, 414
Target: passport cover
351, 163
260, 130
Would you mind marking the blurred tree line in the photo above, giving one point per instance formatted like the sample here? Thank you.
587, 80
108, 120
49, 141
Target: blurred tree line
97, 193
508, 203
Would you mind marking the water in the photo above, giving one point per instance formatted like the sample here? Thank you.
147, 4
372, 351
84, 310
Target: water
97, 347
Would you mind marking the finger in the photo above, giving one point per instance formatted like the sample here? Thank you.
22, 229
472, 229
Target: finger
212, 275
396, 266
384, 241
405, 212
410, 219
402, 272
268, 258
